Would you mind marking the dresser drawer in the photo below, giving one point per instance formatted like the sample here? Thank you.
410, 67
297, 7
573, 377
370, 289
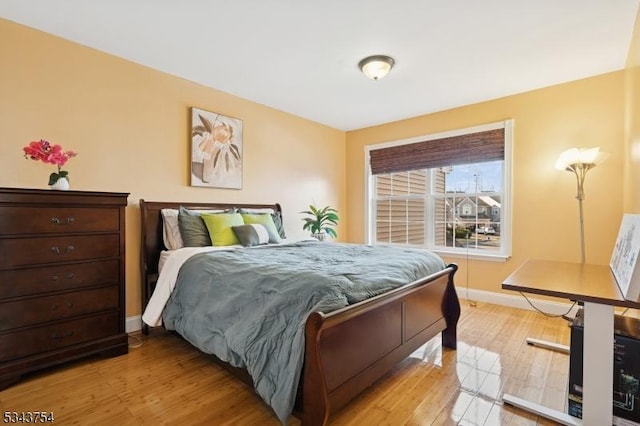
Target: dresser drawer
46, 338
50, 308
48, 279
31, 251
38, 220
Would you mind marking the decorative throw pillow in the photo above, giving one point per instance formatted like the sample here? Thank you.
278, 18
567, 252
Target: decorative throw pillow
192, 229
263, 219
251, 235
170, 229
275, 215
219, 227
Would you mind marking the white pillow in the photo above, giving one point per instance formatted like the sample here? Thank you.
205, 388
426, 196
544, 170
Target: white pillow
170, 230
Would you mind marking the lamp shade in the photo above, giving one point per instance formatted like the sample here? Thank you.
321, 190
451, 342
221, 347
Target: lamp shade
377, 66
575, 156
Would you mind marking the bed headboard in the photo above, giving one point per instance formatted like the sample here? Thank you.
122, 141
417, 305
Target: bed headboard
152, 242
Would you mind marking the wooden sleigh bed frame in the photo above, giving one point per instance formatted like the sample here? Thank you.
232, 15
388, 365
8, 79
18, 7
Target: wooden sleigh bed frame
347, 350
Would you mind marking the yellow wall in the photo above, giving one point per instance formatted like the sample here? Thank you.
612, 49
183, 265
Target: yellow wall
130, 126
583, 113
632, 125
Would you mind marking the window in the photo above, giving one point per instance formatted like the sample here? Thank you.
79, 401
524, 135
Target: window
448, 192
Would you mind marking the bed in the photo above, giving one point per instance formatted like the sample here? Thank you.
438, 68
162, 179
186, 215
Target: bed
346, 350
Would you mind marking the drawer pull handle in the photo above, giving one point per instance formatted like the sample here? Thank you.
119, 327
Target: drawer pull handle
54, 307
69, 304
56, 336
67, 221
57, 250
68, 276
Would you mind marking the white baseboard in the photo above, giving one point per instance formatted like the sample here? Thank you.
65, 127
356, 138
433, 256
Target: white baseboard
133, 323
516, 301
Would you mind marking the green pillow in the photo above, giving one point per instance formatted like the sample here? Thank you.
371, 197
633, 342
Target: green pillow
192, 229
219, 226
263, 219
276, 215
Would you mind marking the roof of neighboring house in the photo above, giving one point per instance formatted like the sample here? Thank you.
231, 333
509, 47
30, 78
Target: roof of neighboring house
482, 200
489, 201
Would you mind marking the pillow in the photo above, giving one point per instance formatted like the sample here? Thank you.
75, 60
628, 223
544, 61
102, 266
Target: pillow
277, 220
275, 215
193, 231
256, 210
251, 235
263, 219
219, 227
170, 229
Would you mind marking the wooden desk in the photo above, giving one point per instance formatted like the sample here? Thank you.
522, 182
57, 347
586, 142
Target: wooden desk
596, 286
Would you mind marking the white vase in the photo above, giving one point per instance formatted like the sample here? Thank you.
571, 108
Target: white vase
320, 236
62, 184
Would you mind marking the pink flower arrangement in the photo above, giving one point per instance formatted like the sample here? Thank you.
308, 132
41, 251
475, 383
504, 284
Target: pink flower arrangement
44, 151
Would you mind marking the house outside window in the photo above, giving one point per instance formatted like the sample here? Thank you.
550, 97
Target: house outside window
457, 204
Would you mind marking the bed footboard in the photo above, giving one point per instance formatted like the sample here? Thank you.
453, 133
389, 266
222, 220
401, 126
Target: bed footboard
349, 349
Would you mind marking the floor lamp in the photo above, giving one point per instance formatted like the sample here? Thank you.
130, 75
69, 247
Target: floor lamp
579, 161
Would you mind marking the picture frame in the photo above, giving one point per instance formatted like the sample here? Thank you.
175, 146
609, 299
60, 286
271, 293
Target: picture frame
624, 259
216, 150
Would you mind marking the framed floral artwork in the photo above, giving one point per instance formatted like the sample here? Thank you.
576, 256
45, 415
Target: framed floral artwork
216, 150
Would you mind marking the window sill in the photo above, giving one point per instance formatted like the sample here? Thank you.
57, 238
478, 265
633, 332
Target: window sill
472, 256
489, 257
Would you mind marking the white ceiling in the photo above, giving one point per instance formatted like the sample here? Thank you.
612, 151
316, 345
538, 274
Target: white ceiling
301, 56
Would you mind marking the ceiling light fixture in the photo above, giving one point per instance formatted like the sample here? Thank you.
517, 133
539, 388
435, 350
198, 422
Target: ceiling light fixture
377, 66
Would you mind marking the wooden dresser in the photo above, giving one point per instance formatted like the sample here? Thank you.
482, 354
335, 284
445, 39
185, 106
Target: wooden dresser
62, 278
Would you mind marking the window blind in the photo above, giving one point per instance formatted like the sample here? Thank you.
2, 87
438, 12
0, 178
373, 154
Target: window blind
463, 149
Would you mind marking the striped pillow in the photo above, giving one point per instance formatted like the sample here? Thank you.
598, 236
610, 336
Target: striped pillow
252, 234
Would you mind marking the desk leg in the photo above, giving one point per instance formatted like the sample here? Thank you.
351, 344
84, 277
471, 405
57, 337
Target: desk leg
548, 345
597, 375
542, 411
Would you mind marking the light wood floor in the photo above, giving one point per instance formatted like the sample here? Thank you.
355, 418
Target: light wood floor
167, 381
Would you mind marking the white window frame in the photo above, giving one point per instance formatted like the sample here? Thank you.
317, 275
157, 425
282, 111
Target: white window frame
505, 227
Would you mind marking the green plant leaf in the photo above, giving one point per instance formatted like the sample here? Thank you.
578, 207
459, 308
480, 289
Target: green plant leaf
322, 220
53, 178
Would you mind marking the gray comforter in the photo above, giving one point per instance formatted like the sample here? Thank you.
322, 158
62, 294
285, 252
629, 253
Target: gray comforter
249, 306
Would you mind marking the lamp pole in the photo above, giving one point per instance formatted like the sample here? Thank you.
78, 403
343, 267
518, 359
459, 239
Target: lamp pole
580, 170
475, 177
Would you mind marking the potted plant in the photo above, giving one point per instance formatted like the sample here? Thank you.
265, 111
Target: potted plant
321, 221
